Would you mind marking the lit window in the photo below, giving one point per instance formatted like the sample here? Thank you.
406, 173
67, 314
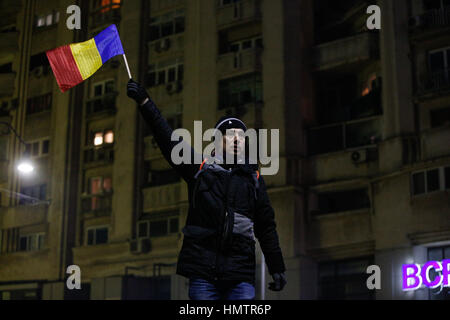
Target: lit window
98, 140
107, 184
49, 20
56, 17
109, 136
40, 21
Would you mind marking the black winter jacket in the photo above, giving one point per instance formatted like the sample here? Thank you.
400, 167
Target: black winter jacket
228, 207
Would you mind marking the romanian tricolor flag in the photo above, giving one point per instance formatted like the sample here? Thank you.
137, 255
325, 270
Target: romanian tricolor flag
74, 63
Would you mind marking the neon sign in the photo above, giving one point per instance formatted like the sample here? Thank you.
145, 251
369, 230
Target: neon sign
414, 275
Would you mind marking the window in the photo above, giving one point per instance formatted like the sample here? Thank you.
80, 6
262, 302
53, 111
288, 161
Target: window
165, 72
440, 117
100, 138
430, 180
340, 201
255, 42
39, 104
35, 149
31, 242
240, 91
33, 194
158, 227
167, 25
439, 65
103, 88
438, 254
345, 279
46, 20
106, 5
97, 235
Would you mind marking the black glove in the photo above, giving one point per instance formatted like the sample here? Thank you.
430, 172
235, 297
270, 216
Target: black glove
137, 92
279, 281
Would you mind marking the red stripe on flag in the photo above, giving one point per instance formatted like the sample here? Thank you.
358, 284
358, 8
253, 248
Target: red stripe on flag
64, 67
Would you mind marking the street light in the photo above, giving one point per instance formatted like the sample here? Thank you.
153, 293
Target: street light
25, 166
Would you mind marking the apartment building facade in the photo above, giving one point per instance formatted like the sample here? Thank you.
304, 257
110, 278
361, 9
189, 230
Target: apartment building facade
363, 120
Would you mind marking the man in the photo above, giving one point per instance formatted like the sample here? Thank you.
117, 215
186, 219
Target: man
228, 207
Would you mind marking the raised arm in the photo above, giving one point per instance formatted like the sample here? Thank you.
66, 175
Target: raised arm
161, 129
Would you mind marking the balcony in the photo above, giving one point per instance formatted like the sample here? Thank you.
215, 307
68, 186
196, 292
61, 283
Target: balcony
433, 19
98, 156
8, 45
106, 14
358, 48
238, 63
98, 204
250, 113
158, 198
24, 215
434, 83
238, 12
345, 135
4, 164
7, 81
105, 104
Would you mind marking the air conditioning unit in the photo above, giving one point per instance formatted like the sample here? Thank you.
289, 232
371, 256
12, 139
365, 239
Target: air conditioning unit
174, 87
142, 245
162, 45
359, 156
39, 71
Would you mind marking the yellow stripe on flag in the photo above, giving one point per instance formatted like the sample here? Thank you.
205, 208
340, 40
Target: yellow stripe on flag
87, 57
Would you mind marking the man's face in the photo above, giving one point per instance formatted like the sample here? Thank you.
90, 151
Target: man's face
234, 141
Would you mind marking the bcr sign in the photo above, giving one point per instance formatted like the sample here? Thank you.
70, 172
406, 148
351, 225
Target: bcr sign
414, 275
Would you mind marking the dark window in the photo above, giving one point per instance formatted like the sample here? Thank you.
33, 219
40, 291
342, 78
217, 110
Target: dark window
418, 183
343, 201
162, 77
327, 139
101, 235
238, 91
179, 24
143, 229
247, 44
180, 72
433, 180
437, 62
440, 117
45, 146
155, 32
345, 279
43, 192
151, 79
158, 228
6, 68
173, 225
167, 29
435, 4
39, 104
163, 177
23, 244
39, 60
171, 75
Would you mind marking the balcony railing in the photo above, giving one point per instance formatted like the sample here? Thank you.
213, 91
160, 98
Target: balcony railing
104, 103
344, 135
99, 155
98, 204
237, 12
432, 19
241, 62
107, 14
435, 82
162, 196
361, 47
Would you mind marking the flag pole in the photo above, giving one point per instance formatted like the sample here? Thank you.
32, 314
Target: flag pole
126, 65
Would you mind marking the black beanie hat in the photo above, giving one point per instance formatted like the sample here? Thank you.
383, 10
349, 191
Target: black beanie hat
228, 122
